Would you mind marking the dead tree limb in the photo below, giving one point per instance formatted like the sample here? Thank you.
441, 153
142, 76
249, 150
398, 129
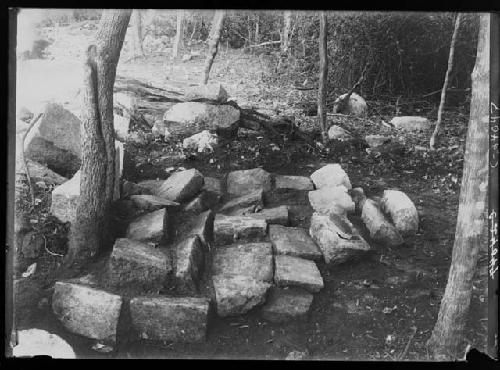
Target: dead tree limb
340, 104
32, 123
213, 43
323, 75
445, 84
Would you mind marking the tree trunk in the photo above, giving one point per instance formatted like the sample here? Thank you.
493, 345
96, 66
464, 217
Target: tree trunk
213, 43
179, 36
287, 16
323, 74
257, 35
137, 49
90, 231
445, 85
446, 339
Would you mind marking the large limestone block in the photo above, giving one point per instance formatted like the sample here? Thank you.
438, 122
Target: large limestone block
329, 176
337, 238
213, 92
149, 203
293, 182
181, 186
297, 272
411, 123
180, 319
293, 241
228, 229
87, 311
380, 228
247, 181
401, 210
331, 200
355, 106
245, 203
150, 227
189, 264
288, 304
277, 215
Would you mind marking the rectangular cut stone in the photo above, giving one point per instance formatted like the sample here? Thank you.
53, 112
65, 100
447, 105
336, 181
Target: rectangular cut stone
86, 311
247, 181
129, 188
213, 185
201, 225
182, 319
254, 260
134, 262
65, 199
293, 182
236, 295
152, 186
181, 186
278, 215
299, 272
149, 203
189, 266
151, 227
330, 176
228, 229
251, 200
287, 304
331, 200
294, 241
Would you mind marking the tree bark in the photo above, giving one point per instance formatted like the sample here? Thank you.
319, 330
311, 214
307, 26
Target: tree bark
213, 43
90, 231
137, 49
445, 342
445, 85
179, 35
323, 75
287, 16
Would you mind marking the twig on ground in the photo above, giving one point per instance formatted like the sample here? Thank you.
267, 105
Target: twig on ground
32, 123
403, 354
47, 249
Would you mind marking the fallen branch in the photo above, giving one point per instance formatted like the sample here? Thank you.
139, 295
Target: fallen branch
407, 347
32, 123
447, 90
263, 44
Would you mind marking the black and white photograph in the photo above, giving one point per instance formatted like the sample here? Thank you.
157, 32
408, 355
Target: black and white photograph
303, 185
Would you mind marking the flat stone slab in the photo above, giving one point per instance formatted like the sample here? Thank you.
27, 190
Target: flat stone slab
294, 241
411, 123
181, 186
87, 311
246, 203
337, 238
134, 262
65, 199
331, 200
201, 225
149, 203
298, 272
190, 258
293, 182
253, 260
329, 176
236, 295
229, 229
277, 215
181, 319
246, 181
401, 210
151, 227
288, 304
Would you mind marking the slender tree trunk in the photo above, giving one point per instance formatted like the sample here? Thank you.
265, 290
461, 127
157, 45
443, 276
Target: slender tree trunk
445, 85
137, 49
213, 43
179, 36
446, 339
287, 16
323, 74
257, 35
90, 231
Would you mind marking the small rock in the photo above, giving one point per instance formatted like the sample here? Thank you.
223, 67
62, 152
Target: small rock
201, 142
181, 186
182, 319
65, 199
298, 272
228, 229
402, 211
236, 295
293, 182
247, 181
245, 203
338, 133
331, 200
337, 238
253, 260
37, 342
375, 141
293, 241
356, 105
83, 310
287, 304
151, 227
411, 123
134, 262
330, 175
190, 259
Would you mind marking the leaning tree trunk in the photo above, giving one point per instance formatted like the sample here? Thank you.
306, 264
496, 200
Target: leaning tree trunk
213, 43
179, 35
137, 49
446, 339
323, 74
90, 231
445, 85
287, 16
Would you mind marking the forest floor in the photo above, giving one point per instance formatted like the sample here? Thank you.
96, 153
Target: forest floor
368, 310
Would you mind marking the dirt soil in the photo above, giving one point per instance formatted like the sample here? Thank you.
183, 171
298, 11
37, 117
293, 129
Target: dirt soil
369, 309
